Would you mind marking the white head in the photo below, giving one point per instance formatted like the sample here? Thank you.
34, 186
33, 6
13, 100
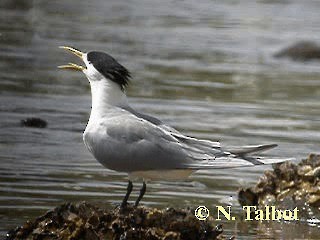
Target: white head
107, 77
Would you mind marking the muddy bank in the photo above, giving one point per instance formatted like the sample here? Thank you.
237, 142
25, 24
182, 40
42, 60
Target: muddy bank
85, 221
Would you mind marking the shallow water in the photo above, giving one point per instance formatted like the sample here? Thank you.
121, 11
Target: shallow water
205, 68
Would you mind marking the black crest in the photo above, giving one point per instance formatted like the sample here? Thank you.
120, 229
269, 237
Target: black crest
109, 67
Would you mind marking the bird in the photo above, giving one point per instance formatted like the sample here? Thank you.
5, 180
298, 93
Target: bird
125, 140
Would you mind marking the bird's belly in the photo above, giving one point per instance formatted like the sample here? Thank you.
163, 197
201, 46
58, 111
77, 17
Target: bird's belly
170, 175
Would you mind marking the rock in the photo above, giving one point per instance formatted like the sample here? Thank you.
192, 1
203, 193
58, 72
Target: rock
301, 51
85, 221
288, 182
33, 122
247, 197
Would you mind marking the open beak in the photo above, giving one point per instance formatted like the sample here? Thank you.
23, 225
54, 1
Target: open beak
73, 66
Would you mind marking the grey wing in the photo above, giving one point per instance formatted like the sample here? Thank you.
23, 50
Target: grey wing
205, 145
202, 154
234, 157
202, 144
207, 154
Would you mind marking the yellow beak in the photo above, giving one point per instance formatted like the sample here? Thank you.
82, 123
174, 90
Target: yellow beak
73, 66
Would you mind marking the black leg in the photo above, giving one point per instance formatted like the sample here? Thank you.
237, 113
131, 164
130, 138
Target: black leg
126, 197
142, 192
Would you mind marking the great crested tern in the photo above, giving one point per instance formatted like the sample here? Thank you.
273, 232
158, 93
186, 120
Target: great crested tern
124, 140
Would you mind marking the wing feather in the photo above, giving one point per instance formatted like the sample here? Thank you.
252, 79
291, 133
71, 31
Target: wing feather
130, 141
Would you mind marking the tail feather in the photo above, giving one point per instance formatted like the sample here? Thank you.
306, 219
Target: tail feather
233, 162
237, 157
274, 160
246, 150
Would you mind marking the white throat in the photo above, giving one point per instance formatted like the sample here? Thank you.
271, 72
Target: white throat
105, 93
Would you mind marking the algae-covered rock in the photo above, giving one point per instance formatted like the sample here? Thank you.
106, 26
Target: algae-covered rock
85, 221
289, 182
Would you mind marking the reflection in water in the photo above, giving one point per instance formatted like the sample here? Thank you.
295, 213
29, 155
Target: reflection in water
206, 69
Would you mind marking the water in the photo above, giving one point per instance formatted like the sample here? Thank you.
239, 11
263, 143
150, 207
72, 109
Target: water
205, 68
